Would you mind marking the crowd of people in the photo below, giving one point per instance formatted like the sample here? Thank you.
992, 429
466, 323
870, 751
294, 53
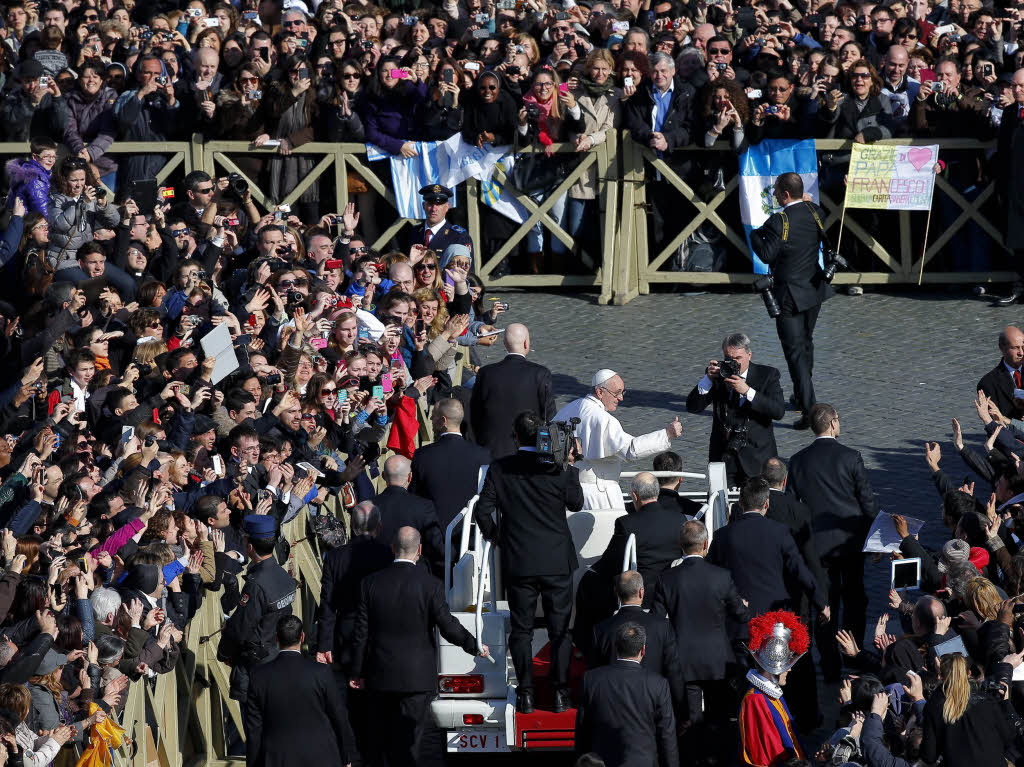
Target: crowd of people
671, 74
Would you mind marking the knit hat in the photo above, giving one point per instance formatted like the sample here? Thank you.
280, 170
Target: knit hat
954, 552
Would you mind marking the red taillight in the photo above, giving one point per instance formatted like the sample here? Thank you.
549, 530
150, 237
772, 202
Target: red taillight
463, 684
472, 718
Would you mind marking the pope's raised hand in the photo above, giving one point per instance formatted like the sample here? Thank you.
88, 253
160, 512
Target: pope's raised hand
674, 429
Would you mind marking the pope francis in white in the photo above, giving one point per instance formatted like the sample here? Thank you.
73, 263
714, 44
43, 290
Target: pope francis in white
605, 445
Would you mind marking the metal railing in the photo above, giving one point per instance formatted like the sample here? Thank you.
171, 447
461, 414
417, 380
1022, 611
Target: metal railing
627, 266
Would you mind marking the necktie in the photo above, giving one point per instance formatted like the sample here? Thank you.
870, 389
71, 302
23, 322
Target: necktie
1020, 113
427, 234
1016, 378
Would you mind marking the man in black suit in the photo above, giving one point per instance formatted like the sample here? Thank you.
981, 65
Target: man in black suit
395, 655
761, 553
660, 656
399, 508
657, 535
785, 508
504, 389
294, 713
668, 494
788, 243
529, 499
446, 471
744, 403
831, 479
1000, 383
699, 600
626, 715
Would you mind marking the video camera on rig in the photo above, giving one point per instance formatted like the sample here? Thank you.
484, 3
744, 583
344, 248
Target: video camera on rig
556, 443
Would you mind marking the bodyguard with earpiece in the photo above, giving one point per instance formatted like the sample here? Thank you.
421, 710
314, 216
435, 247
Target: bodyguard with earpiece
788, 243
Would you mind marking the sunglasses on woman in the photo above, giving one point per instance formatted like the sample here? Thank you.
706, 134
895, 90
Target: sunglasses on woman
425, 267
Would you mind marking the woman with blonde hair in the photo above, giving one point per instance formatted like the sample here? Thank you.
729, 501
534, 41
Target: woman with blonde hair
965, 729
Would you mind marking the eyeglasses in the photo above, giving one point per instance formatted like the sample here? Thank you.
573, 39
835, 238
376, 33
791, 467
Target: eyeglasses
617, 394
248, 79
328, 392
351, 76
425, 267
48, 156
208, 190
308, 417
361, 249
91, 17
860, 75
488, 88
339, 42
545, 86
74, 163
296, 23
720, 51
292, 283
179, 232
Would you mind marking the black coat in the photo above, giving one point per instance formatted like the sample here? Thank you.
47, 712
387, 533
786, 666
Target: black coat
760, 554
1009, 167
670, 499
678, 126
400, 508
660, 656
529, 500
295, 715
344, 570
445, 472
795, 515
395, 649
502, 391
757, 416
625, 717
699, 599
998, 386
799, 281
831, 479
976, 739
657, 544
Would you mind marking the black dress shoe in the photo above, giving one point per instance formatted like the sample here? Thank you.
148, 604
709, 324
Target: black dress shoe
562, 701
1015, 295
803, 423
524, 701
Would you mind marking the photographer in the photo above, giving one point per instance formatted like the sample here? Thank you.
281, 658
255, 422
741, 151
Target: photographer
746, 398
529, 498
788, 242
147, 113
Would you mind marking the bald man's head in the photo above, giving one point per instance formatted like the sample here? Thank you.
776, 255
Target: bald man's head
896, 61
517, 338
629, 587
406, 543
447, 416
397, 471
645, 488
1018, 86
1011, 344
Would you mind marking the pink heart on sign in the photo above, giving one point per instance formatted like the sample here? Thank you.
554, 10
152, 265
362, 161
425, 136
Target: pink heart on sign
919, 157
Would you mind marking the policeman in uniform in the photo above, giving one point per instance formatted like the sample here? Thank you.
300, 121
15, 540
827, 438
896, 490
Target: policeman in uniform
249, 636
788, 243
436, 233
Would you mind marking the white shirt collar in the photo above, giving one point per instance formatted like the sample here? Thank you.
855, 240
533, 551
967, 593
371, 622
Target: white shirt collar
824, 436
451, 434
435, 229
516, 354
400, 559
629, 660
791, 204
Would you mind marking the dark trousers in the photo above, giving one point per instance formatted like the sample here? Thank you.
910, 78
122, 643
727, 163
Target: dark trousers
845, 574
796, 333
710, 735
555, 592
399, 721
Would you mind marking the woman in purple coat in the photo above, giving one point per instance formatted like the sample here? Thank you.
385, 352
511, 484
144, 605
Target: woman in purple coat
30, 178
389, 108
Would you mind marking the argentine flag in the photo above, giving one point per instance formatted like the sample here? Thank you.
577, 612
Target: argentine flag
760, 165
410, 174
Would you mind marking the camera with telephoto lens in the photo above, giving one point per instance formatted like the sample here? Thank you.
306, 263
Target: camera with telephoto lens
833, 261
237, 184
764, 286
728, 368
556, 443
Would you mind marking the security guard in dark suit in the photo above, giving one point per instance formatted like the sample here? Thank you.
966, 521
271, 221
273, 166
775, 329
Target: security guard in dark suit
248, 638
435, 232
788, 243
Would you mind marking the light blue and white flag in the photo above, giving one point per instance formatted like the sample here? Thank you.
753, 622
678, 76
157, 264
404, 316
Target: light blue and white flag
460, 160
760, 165
410, 174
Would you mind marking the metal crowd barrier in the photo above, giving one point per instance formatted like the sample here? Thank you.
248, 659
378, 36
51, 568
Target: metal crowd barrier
624, 171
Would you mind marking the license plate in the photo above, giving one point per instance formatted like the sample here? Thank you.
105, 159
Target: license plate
477, 742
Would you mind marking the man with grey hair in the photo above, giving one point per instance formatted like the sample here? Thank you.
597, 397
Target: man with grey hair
661, 116
745, 398
400, 508
657, 535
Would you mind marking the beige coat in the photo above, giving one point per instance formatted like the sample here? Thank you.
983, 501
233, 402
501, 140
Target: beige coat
600, 117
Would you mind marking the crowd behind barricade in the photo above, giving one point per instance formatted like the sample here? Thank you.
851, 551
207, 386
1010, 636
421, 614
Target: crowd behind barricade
671, 74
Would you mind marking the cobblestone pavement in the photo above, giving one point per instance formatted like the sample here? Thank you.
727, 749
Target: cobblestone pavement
897, 367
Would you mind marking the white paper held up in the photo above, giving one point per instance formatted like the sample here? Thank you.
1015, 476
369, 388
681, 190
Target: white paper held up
882, 536
217, 344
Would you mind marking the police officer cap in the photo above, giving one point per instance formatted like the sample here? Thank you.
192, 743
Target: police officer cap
435, 193
260, 526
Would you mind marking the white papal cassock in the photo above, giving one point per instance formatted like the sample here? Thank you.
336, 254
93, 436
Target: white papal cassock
605, 447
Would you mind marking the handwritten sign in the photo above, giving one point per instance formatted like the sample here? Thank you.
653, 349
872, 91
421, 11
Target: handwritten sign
891, 177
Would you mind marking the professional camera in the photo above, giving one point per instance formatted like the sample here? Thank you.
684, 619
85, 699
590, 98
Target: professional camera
728, 368
237, 184
764, 286
532, 111
556, 442
833, 261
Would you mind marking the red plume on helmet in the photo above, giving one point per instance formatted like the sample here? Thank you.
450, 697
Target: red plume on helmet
761, 628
